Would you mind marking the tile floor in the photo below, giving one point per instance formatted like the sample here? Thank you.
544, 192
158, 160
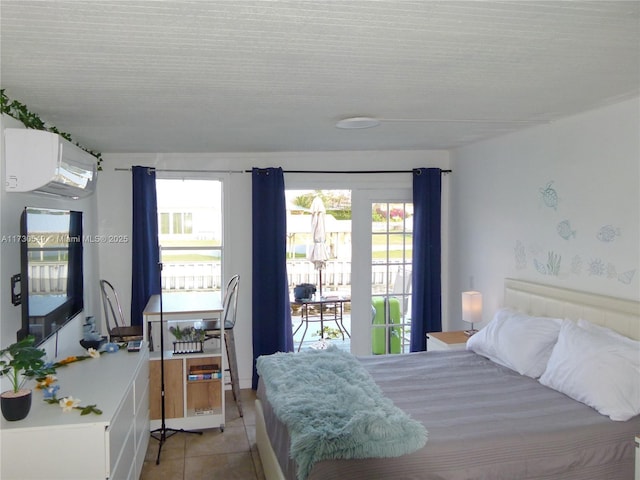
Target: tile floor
228, 455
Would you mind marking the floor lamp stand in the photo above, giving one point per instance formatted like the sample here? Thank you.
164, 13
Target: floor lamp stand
163, 433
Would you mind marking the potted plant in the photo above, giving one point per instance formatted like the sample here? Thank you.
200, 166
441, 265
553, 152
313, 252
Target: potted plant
19, 362
326, 335
188, 339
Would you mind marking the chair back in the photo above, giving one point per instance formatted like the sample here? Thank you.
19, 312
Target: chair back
230, 302
402, 288
112, 308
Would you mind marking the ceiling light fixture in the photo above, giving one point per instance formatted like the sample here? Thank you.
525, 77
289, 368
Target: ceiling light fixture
357, 122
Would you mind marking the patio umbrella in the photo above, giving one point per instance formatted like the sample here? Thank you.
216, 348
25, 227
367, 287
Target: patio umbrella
318, 254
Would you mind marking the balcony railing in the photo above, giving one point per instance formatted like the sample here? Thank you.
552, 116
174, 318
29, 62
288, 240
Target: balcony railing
47, 277
206, 276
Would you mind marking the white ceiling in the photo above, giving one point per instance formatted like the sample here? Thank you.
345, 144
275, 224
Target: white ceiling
247, 76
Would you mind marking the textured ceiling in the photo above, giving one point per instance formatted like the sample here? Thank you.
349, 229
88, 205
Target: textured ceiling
226, 76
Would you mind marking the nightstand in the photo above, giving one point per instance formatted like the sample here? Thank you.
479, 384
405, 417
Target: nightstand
456, 340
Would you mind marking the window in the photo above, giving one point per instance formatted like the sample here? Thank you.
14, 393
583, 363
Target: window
190, 234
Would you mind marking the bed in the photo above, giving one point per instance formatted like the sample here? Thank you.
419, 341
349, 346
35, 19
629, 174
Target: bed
488, 418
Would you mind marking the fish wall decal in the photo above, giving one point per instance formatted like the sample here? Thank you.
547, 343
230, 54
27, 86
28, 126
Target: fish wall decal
564, 230
608, 233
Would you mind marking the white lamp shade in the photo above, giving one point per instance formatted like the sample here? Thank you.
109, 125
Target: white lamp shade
472, 307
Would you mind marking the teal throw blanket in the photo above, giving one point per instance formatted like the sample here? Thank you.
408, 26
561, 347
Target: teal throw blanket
333, 409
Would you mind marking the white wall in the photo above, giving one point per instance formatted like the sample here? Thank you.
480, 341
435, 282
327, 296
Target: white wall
499, 226
11, 206
502, 227
114, 207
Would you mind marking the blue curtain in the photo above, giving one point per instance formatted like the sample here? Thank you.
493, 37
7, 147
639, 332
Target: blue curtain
426, 300
145, 268
75, 287
270, 290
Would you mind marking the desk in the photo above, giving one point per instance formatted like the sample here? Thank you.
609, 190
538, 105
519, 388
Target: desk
334, 303
184, 306
178, 306
189, 403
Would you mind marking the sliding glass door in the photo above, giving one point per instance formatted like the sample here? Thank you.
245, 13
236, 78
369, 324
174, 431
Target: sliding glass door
368, 243
391, 248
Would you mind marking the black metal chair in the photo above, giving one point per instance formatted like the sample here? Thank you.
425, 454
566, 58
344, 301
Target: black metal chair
117, 328
212, 330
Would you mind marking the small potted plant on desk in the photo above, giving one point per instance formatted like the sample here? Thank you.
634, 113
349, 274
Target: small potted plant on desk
19, 362
188, 339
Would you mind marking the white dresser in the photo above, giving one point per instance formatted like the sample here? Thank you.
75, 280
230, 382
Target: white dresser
50, 443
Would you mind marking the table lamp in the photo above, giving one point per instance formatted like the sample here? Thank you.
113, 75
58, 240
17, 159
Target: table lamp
471, 309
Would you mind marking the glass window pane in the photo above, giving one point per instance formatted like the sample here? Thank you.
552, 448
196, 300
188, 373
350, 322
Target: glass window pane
164, 223
177, 223
379, 247
379, 217
391, 247
190, 224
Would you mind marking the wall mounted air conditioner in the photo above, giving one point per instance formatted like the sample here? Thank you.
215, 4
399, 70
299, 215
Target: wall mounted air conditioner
44, 162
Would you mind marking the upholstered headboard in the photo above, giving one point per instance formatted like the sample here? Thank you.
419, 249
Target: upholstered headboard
618, 314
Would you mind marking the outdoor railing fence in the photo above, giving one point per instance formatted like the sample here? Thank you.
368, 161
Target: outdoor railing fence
51, 277
47, 277
191, 276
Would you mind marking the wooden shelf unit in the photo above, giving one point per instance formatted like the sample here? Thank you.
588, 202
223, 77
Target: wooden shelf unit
189, 404
182, 397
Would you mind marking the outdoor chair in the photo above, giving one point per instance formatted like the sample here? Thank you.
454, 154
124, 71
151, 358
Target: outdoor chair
402, 288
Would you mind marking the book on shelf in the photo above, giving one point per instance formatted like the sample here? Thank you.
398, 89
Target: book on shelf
203, 411
211, 368
203, 376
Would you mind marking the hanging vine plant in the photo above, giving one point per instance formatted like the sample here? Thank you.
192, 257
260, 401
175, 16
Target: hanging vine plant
20, 112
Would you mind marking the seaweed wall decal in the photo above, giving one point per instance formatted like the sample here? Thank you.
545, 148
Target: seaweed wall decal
520, 256
552, 267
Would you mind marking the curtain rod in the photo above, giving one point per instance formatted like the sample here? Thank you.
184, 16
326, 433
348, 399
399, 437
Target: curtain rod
181, 171
284, 171
351, 171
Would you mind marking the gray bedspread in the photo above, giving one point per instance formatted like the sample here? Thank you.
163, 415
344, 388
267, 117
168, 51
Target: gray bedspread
485, 422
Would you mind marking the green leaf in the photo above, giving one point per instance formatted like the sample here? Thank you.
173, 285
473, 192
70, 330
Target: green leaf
90, 409
20, 112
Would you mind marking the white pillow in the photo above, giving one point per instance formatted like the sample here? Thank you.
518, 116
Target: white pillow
601, 330
596, 369
517, 341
